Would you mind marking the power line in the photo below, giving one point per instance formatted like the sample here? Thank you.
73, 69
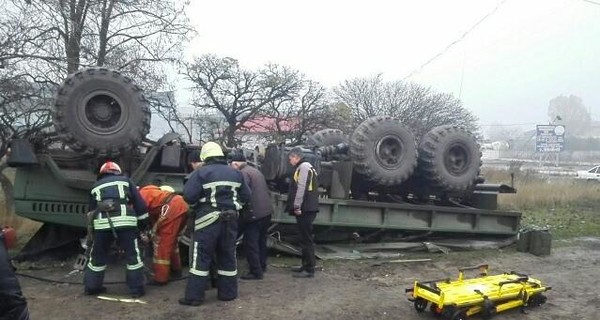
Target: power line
457, 40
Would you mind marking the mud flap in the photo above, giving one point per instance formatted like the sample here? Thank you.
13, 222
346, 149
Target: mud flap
80, 262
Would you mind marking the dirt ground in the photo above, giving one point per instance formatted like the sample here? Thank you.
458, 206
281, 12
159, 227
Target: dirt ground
342, 290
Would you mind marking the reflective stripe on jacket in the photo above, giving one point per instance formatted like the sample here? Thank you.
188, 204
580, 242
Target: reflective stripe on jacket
155, 200
304, 189
215, 187
124, 193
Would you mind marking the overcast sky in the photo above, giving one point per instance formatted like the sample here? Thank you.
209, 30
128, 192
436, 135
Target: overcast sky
505, 70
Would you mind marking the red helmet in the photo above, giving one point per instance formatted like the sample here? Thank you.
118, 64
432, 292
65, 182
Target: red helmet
110, 167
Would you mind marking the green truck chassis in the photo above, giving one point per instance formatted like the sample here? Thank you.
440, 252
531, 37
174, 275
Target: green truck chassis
48, 194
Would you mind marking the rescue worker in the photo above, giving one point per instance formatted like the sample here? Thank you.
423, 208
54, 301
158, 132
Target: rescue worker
303, 203
255, 218
13, 305
168, 213
215, 193
112, 199
194, 163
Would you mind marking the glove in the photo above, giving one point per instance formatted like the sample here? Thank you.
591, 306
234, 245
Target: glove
145, 237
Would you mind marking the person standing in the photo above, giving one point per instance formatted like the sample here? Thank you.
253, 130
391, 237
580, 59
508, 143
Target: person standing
255, 218
13, 305
215, 193
194, 163
168, 212
303, 203
112, 199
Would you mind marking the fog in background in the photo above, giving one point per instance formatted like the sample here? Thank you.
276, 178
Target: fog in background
504, 59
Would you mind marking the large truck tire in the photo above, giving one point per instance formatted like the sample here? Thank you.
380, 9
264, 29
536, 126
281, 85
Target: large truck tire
99, 111
327, 137
450, 158
383, 150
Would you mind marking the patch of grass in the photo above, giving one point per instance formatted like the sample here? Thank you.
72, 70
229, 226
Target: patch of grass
564, 222
568, 207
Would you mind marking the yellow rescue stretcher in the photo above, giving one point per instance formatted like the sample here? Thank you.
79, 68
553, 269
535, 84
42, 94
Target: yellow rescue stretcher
485, 294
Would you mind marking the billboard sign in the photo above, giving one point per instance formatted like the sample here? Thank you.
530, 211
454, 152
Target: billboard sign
550, 138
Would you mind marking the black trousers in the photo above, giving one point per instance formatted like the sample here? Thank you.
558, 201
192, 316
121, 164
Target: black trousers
255, 244
216, 240
13, 305
305, 229
93, 276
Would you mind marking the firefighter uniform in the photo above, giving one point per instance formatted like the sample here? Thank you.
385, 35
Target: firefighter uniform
112, 198
168, 212
13, 305
215, 193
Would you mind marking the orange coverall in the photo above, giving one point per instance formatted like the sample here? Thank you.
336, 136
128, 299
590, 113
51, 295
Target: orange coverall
167, 220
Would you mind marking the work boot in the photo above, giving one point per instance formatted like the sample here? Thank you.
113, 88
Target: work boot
226, 298
91, 292
186, 302
251, 276
297, 268
138, 294
304, 274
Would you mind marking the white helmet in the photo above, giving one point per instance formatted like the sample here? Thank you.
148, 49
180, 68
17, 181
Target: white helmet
167, 188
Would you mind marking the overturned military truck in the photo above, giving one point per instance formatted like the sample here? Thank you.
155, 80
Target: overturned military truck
377, 180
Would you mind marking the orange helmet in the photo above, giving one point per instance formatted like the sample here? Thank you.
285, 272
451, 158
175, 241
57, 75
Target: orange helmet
110, 167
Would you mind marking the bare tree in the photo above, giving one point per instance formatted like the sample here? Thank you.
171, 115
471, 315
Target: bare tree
24, 113
41, 41
209, 126
296, 115
131, 36
418, 107
570, 112
364, 95
422, 109
164, 105
221, 84
338, 116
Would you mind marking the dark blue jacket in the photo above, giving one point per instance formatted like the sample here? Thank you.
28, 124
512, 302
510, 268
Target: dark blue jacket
12, 303
130, 207
215, 187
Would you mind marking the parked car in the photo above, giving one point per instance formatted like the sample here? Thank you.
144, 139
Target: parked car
591, 174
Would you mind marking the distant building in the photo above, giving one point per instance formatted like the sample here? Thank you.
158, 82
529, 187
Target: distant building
263, 130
